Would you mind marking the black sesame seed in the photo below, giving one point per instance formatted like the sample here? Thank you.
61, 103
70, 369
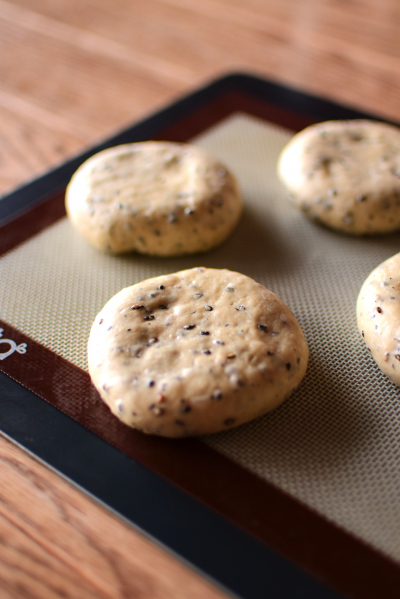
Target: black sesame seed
208, 308
263, 327
198, 294
186, 409
188, 327
149, 317
355, 136
162, 307
288, 365
136, 307
204, 332
240, 308
151, 383
206, 351
161, 287
379, 310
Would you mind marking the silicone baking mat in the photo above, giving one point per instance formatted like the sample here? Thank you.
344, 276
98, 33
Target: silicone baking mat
318, 479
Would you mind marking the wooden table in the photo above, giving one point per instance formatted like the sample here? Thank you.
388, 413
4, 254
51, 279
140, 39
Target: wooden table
73, 72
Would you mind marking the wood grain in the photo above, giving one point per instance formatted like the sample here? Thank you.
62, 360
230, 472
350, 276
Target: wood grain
75, 71
55, 541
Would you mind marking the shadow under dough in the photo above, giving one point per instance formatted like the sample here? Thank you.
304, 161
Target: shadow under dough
315, 432
253, 244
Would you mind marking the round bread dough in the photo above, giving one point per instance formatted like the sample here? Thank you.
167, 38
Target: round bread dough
378, 316
195, 352
346, 174
156, 198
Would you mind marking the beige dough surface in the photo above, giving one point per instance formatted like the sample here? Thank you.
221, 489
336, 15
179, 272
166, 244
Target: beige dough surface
195, 352
156, 198
378, 316
346, 175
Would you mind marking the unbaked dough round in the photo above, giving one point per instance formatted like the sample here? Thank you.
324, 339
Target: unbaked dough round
346, 175
195, 352
156, 198
378, 316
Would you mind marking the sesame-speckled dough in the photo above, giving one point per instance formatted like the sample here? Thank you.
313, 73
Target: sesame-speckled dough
346, 174
195, 352
156, 198
378, 316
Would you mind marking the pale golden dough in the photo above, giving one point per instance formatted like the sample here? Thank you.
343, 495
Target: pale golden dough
195, 352
378, 316
346, 174
156, 198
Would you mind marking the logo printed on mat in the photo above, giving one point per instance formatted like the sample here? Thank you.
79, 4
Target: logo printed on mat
21, 348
